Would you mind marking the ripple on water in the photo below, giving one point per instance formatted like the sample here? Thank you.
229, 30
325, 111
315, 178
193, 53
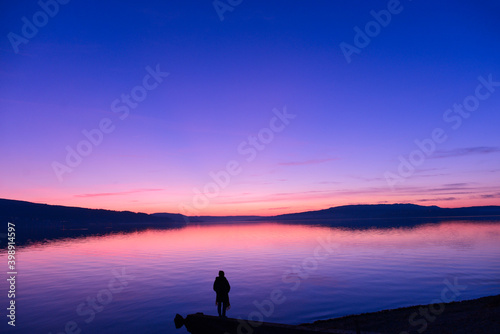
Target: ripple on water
173, 272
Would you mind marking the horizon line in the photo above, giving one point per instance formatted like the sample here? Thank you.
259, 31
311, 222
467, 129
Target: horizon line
249, 215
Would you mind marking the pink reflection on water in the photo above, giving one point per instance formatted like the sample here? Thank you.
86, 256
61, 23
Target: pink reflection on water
446, 238
368, 270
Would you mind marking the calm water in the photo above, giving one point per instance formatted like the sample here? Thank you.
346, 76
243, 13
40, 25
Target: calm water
141, 280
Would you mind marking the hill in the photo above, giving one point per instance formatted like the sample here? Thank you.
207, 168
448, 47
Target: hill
41, 222
390, 211
34, 213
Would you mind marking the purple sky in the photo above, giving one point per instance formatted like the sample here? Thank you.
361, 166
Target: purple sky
286, 102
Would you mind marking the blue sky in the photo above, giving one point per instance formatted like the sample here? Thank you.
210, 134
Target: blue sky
354, 120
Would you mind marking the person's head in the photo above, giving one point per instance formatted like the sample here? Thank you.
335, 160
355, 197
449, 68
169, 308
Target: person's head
221, 273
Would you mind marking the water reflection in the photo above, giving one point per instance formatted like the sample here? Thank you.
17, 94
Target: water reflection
320, 271
31, 234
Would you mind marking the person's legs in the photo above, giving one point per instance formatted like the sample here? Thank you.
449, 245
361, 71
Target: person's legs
224, 307
219, 307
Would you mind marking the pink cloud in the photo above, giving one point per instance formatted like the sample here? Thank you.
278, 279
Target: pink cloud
118, 193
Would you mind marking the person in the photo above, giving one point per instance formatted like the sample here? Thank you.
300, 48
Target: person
222, 287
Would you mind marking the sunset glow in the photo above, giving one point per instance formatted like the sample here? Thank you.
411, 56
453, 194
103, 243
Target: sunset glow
171, 107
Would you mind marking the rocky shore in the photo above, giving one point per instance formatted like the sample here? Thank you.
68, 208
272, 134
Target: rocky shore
480, 315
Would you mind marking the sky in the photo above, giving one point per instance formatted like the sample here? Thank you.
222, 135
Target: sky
238, 107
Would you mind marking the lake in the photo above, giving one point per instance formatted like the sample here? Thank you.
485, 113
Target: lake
289, 273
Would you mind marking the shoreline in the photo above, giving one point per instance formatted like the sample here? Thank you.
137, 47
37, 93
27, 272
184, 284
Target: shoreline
480, 315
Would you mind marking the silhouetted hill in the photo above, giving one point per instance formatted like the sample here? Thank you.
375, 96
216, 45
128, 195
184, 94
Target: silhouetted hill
34, 213
41, 222
177, 217
390, 211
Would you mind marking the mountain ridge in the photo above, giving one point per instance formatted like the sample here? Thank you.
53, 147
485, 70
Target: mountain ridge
38, 212
29, 211
397, 210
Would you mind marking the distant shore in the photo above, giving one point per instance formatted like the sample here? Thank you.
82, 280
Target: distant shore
480, 315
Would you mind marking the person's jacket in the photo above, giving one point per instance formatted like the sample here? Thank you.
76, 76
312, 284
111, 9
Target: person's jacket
222, 287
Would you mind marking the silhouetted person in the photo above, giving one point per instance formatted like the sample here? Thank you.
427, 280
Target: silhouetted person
222, 287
